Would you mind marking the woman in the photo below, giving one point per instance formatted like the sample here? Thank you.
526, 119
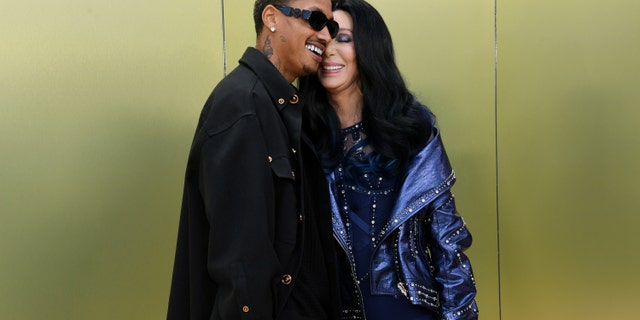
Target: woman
399, 235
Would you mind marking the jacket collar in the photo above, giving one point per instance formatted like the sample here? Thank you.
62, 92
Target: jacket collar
280, 90
428, 174
284, 95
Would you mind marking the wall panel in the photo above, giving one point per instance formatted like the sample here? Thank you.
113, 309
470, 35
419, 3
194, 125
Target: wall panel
239, 29
98, 103
568, 141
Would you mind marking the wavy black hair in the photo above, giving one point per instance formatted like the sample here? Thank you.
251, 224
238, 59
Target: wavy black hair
397, 125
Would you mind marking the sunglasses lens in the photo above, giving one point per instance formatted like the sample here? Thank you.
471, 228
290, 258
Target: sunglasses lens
333, 28
317, 20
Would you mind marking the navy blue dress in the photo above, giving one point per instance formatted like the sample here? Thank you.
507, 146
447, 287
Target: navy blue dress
366, 195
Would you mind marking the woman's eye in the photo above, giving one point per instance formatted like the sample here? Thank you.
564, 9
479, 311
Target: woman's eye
343, 38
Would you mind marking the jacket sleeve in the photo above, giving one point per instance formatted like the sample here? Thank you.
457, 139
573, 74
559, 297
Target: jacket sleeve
450, 238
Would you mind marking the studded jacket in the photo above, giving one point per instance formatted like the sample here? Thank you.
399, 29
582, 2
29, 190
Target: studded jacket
420, 255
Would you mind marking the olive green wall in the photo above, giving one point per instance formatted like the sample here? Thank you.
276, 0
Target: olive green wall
98, 102
569, 145
99, 99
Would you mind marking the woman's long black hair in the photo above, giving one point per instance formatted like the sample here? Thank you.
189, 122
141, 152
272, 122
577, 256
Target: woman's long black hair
397, 125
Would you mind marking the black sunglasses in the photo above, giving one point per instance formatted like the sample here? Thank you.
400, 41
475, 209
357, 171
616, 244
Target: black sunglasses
316, 19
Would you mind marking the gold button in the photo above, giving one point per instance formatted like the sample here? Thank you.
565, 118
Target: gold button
295, 99
281, 101
300, 217
269, 159
286, 279
294, 150
245, 309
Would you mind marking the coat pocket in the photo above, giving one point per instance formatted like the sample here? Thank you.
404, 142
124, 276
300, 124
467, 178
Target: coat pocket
281, 167
286, 210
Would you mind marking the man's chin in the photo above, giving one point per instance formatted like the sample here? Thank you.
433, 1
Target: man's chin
309, 70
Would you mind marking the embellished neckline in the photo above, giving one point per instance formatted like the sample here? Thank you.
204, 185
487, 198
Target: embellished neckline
358, 127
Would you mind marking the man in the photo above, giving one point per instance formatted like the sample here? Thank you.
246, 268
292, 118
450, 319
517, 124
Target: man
253, 241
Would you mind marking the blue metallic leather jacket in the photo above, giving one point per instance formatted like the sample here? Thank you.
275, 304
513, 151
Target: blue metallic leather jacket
421, 256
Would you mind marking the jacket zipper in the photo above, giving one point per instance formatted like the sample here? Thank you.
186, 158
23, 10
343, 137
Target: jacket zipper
353, 273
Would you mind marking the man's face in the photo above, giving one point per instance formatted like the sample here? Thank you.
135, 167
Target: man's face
298, 46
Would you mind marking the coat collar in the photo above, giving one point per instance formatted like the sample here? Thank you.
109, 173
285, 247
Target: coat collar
280, 90
284, 95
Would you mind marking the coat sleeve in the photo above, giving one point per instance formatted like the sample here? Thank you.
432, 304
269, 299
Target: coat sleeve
226, 265
450, 238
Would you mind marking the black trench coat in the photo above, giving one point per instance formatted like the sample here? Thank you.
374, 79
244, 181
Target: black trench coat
254, 195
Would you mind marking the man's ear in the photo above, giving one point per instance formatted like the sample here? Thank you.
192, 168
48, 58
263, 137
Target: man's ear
269, 17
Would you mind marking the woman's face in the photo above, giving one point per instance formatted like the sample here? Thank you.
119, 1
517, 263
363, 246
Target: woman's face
339, 71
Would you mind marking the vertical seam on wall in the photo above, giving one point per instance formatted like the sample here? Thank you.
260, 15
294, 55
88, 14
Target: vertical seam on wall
495, 99
224, 43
